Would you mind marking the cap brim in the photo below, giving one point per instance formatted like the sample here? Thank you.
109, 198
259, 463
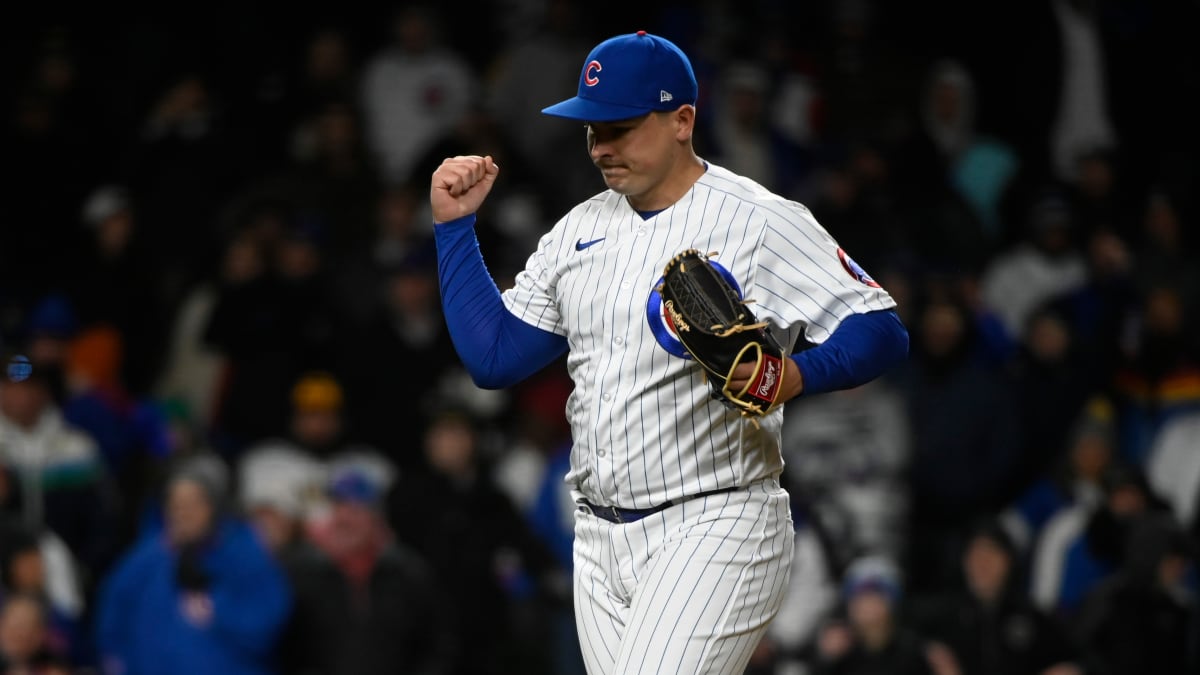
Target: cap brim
586, 110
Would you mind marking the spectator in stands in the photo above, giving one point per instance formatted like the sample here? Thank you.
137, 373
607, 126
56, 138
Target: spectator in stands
1085, 546
1099, 197
1165, 248
273, 327
324, 70
276, 511
194, 368
1098, 312
483, 552
287, 475
857, 206
50, 326
1073, 484
1160, 375
990, 625
954, 179
202, 596
181, 169
294, 466
317, 423
64, 485
24, 649
25, 571
1052, 383
331, 176
549, 44
116, 284
414, 91
131, 431
743, 137
364, 603
966, 439
406, 334
1044, 265
872, 639
1142, 620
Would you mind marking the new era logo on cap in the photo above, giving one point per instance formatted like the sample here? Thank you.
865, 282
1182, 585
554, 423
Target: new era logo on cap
642, 73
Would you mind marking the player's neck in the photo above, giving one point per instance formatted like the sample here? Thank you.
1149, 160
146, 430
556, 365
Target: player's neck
673, 187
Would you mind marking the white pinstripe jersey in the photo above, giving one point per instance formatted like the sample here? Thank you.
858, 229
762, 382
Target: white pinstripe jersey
644, 427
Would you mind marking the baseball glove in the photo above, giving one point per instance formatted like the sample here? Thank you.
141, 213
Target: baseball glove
720, 332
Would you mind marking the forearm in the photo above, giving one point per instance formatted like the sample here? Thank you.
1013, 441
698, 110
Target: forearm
862, 348
497, 348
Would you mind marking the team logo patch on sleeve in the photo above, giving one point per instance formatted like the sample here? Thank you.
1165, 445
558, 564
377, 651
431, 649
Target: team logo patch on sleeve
855, 270
661, 326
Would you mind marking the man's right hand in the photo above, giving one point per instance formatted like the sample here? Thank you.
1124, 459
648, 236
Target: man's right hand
460, 185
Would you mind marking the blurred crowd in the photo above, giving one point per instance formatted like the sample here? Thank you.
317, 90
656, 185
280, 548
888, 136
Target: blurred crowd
235, 437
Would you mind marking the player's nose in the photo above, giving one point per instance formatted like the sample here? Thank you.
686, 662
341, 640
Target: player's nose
598, 149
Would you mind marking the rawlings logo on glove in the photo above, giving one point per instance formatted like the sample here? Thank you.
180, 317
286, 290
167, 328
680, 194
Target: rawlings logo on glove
719, 331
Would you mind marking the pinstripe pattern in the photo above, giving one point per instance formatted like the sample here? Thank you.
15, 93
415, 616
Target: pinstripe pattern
644, 427
689, 590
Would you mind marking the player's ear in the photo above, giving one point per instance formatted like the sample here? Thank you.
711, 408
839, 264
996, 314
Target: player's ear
684, 120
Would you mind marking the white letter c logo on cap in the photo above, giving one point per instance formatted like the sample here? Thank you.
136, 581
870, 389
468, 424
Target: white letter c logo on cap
588, 77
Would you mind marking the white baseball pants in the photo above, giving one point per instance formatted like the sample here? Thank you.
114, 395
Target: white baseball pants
690, 589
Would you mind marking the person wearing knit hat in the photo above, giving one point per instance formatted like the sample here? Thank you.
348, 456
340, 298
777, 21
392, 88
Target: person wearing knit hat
871, 639
204, 596
194, 509
872, 574
365, 602
58, 465
276, 509
317, 420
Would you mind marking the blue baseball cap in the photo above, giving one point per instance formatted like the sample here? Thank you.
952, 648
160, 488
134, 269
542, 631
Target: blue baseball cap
875, 574
628, 76
352, 485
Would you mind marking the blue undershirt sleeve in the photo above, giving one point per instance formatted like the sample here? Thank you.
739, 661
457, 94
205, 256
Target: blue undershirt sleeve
862, 348
498, 349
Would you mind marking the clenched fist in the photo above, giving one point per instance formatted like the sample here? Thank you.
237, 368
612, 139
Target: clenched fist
460, 185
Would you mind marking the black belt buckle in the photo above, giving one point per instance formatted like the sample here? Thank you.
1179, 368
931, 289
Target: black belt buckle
618, 515
610, 513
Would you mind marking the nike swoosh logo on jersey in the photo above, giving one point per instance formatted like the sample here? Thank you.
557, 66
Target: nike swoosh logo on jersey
581, 244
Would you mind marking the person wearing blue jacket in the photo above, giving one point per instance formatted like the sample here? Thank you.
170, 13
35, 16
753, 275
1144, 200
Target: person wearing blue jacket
202, 596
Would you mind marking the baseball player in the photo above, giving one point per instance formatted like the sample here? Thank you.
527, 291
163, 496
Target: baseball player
683, 535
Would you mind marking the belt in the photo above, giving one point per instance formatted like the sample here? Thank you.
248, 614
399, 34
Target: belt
616, 514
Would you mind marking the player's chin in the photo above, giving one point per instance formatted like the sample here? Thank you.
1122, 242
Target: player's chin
617, 182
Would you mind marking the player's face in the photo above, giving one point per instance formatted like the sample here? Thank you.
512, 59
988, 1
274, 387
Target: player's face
633, 155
